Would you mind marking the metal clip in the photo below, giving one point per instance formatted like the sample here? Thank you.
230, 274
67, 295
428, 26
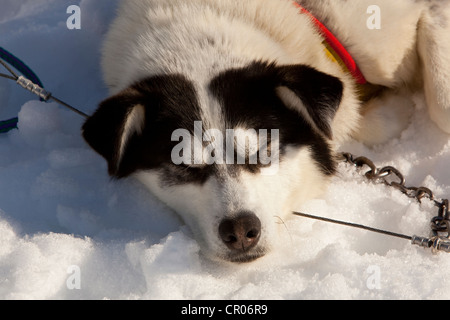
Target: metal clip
435, 243
34, 88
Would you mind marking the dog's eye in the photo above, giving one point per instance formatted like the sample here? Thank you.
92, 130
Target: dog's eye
183, 173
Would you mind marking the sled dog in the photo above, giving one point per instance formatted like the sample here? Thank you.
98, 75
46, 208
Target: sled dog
231, 111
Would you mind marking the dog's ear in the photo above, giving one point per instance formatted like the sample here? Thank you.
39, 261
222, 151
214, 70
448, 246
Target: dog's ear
110, 129
313, 93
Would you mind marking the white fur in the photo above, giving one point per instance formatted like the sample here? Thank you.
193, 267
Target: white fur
172, 36
271, 197
410, 51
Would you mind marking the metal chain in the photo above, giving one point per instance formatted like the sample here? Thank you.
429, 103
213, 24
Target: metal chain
440, 224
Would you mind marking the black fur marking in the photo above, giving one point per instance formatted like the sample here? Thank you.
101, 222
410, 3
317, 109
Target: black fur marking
180, 174
248, 95
170, 103
320, 93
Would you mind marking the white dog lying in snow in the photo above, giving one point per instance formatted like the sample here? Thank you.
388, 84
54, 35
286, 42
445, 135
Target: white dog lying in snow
197, 85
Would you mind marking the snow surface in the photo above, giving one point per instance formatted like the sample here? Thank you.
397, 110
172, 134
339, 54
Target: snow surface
59, 209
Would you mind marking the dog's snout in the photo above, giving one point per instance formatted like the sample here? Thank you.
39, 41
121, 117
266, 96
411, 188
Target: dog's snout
240, 233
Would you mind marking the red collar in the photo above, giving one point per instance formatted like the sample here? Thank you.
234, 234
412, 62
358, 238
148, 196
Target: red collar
337, 49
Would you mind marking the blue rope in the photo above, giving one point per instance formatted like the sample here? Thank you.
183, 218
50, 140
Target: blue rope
10, 124
20, 66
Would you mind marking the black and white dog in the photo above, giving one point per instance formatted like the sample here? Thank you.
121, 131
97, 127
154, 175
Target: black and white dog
230, 111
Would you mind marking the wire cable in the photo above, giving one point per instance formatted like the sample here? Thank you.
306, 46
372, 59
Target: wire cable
36, 89
349, 224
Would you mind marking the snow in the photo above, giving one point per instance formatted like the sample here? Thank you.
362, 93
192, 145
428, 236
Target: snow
68, 232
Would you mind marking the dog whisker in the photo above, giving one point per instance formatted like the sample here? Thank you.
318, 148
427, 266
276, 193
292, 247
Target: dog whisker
281, 221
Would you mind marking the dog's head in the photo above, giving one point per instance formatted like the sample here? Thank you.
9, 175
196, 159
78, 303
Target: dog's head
232, 156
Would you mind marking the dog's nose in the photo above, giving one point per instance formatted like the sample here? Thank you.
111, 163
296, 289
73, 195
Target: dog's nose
240, 233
